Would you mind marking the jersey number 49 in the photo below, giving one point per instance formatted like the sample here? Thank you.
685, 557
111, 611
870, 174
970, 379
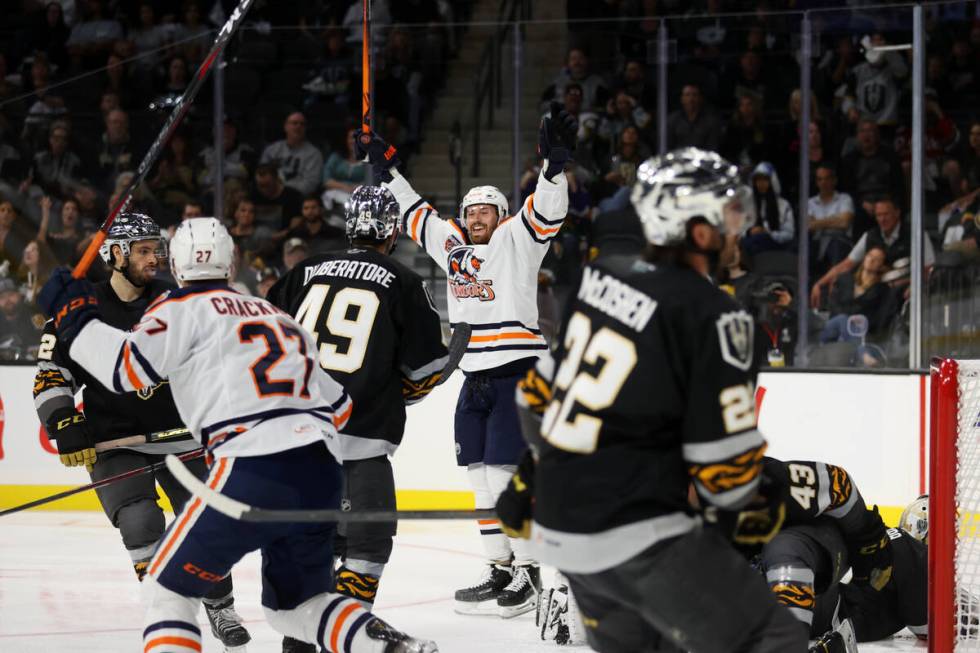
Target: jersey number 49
340, 323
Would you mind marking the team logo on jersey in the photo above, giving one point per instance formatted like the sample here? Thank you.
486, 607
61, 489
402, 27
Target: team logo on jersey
735, 335
464, 276
452, 243
146, 392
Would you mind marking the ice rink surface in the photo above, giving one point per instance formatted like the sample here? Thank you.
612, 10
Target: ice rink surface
66, 585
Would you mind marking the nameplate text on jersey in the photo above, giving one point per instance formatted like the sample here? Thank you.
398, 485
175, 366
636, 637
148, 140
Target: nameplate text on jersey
616, 299
350, 270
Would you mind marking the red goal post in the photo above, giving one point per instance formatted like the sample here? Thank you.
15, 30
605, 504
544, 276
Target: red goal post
954, 506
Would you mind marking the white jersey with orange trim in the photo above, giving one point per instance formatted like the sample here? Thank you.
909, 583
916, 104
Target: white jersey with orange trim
244, 374
493, 287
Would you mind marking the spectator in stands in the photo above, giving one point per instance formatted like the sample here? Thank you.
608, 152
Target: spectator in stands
334, 72
239, 160
92, 38
194, 36
941, 140
35, 268
862, 293
622, 111
293, 251
50, 33
594, 92
970, 156
774, 223
342, 172
115, 151
630, 153
404, 64
275, 203
148, 38
590, 147
14, 236
173, 88
748, 78
64, 242
746, 139
890, 234
174, 183
832, 71
634, 81
18, 333
830, 215
963, 74
694, 124
871, 171
56, 170
116, 78
874, 85
313, 230
249, 236
299, 163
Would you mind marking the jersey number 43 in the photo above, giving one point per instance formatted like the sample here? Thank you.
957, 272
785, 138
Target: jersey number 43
340, 322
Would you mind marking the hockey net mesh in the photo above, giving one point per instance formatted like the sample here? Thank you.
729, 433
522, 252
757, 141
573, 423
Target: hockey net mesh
967, 558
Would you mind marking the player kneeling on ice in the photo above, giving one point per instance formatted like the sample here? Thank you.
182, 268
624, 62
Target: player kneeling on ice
246, 382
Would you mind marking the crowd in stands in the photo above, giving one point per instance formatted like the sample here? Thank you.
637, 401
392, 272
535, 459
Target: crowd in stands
85, 86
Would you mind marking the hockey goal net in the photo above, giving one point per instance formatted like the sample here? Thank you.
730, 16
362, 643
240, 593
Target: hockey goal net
954, 506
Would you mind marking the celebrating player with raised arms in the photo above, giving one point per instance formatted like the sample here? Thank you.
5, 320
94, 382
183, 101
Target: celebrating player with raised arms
246, 382
653, 393
133, 249
491, 261
379, 335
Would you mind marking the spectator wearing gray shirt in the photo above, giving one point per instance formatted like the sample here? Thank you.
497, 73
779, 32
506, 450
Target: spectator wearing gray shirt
298, 161
92, 38
830, 215
693, 125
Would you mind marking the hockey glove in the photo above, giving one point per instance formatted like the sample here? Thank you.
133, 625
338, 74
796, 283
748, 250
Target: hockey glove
871, 553
70, 302
534, 391
759, 521
514, 503
556, 139
67, 428
381, 156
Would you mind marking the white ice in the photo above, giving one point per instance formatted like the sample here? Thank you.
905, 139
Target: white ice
66, 585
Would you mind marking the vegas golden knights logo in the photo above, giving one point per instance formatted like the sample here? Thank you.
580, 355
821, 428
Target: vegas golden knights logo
735, 335
146, 392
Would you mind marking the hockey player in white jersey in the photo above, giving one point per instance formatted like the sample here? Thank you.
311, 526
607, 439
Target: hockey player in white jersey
491, 260
246, 383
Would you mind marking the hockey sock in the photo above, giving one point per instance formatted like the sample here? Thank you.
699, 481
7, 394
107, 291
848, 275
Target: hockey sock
359, 579
498, 476
333, 621
793, 587
171, 621
495, 544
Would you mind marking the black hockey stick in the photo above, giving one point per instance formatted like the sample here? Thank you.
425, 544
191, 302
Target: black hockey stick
190, 455
175, 435
457, 348
180, 110
244, 512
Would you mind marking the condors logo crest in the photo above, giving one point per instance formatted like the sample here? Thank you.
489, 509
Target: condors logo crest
464, 276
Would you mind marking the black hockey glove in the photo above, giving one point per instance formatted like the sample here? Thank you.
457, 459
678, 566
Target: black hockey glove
68, 429
871, 552
556, 139
514, 503
379, 154
71, 302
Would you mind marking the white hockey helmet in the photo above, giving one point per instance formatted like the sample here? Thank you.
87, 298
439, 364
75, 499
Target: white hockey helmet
201, 249
129, 228
484, 195
683, 184
915, 518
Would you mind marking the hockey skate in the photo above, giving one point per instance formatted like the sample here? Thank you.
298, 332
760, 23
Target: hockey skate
290, 645
840, 640
227, 626
521, 594
398, 642
482, 597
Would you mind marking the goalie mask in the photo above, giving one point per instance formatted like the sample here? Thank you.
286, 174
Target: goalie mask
683, 184
915, 518
371, 213
126, 229
201, 249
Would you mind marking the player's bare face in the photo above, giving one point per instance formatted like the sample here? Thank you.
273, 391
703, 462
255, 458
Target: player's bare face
143, 261
481, 220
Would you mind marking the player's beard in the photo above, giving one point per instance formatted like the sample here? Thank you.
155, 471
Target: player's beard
142, 277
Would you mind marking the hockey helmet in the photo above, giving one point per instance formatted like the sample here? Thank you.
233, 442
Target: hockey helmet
683, 184
371, 213
201, 249
130, 228
484, 195
915, 518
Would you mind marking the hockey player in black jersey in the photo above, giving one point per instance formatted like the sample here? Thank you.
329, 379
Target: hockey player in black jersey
133, 250
380, 337
654, 391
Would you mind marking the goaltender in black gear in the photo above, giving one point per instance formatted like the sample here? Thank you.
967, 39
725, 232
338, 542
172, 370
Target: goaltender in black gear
133, 250
654, 393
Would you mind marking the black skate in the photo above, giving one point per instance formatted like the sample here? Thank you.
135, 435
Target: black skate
398, 642
521, 594
290, 645
227, 626
482, 597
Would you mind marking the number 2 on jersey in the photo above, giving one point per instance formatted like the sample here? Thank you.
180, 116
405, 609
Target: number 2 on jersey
618, 354
249, 332
357, 330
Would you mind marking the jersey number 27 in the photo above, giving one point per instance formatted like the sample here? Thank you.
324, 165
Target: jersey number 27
356, 330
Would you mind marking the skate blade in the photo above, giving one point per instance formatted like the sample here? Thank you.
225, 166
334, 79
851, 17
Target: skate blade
236, 649
511, 611
489, 607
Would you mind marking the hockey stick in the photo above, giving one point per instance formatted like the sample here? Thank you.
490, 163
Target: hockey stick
457, 348
366, 66
244, 512
190, 455
157, 436
180, 110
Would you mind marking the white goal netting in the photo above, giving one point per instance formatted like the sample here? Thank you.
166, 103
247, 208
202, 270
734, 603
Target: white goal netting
967, 558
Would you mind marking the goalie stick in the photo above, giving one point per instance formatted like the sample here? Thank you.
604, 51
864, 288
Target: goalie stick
243, 512
190, 455
180, 110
